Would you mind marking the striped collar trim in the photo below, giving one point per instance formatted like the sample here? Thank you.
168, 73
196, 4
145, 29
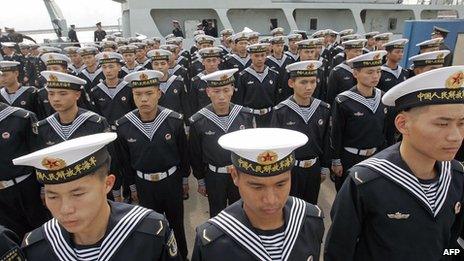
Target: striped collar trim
361, 99
208, 113
164, 113
296, 108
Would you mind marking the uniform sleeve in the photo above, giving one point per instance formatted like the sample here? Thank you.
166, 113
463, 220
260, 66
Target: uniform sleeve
336, 132
122, 150
185, 103
332, 87
170, 251
240, 90
193, 97
326, 160
277, 91
182, 148
196, 255
196, 153
276, 122
346, 225
31, 133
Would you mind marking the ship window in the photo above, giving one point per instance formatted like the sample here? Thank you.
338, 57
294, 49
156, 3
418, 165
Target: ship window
392, 23
313, 24
274, 23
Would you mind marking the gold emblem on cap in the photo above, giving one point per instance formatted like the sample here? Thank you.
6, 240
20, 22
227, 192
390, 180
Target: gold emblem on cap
143, 76
440, 56
52, 78
268, 157
455, 81
376, 57
224, 77
53, 163
311, 67
157, 54
105, 56
50, 56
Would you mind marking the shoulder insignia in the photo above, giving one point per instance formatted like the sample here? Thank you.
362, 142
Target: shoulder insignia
41, 123
314, 211
279, 106
341, 98
208, 232
325, 105
361, 174
153, 224
247, 110
195, 117
95, 118
180, 78
33, 237
273, 70
176, 115
242, 73
22, 113
457, 166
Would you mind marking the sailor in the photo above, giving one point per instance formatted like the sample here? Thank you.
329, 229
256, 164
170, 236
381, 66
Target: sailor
382, 209
358, 117
292, 52
330, 42
210, 163
174, 68
172, 87
9, 54
150, 44
253, 37
381, 39
194, 47
152, 145
77, 64
340, 50
130, 64
266, 224
443, 33
335, 46
370, 44
108, 46
311, 116
99, 34
24, 57
9, 246
92, 73
85, 225
58, 63
141, 55
35, 64
182, 56
211, 58
392, 72
22, 209
258, 86
240, 59
430, 45
156, 42
278, 60
427, 61
225, 34
12, 91
203, 41
341, 77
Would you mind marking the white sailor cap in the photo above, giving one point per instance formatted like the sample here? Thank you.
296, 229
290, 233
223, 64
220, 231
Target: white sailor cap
354, 44
127, 49
174, 40
140, 46
109, 57
253, 34
227, 32
346, 32
108, 44
210, 52
70, 50
159, 54
121, 41
440, 86
432, 43
383, 36
146, 78
320, 33
439, 30
204, 39
277, 30
304, 68
258, 48
370, 34
265, 39
350, 37
110, 37
49, 49
88, 50
59, 80
298, 32
169, 36
33, 45
277, 39
6, 66
8, 44
134, 39
395, 44
69, 160
220, 78
23, 46
429, 58
331, 32
148, 42
241, 36
294, 37
55, 59
310, 43
369, 59
198, 32
169, 47
156, 39
263, 152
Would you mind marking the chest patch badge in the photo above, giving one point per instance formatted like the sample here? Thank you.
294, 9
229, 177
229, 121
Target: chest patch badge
457, 208
398, 215
6, 135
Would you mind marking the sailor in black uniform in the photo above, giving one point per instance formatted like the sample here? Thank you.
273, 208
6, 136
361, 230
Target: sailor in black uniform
203, 41
12, 92
9, 246
211, 59
174, 68
240, 59
358, 117
340, 55
330, 38
381, 39
180, 58
425, 62
405, 202
153, 146
266, 224
292, 52
92, 73
108, 46
278, 60
130, 64
225, 46
76, 65
85, 225
442, 32
337, 47
370, 44
341, 77
211, 163
35, 64
392, 72
9, 51
311, 116
20, 204
258, 86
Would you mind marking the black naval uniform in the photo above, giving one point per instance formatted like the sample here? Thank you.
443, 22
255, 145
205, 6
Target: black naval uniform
92, 79
21, 209
230, 236
183, 61
340, 79
22, 69
156, 160
25, 97
45, 109
145, 64
133, 233
9, 246
75, 70
279, 64
338, 59
125, 71
382, 212
209, 161
51, 131
99, 35
197, 96
306, 175
292, 56
181, 71
359, 128
390, 77
235, 61
196, 67
112, 103
173, 95
260, 92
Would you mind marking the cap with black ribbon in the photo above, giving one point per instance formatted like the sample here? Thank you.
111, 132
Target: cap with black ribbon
220, 78
59, 80
146, 78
